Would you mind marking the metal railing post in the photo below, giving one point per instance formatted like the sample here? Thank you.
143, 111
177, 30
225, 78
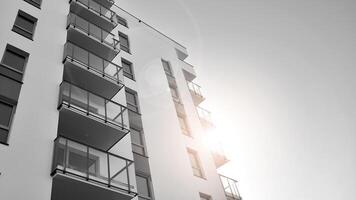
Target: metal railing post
128, 177
65, 156
106, 112
87, 103
109, 176
87, 163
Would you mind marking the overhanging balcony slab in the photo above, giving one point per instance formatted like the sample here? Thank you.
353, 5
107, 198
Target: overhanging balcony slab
81, 10
219, 159
106, 3
79, 75
188, 71
65, 187
197, 99
91, 44
87, 129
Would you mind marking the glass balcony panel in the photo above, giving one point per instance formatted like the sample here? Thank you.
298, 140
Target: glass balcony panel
92, 165
92, 30
76, 158
78, 98
96, 106
59, 154
98, 167
94, 62
113, 71
115, 113
81, 55
95, 6
119, 174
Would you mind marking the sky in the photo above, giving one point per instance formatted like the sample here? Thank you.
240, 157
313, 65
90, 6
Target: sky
279, 77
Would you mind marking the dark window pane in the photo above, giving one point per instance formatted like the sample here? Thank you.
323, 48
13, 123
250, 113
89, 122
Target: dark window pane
24, 23
36, 3
136, 137
5, 114
14, 60
142, 186
121, 21
3, 135
167, 67
124, 42
127, 67
131, 98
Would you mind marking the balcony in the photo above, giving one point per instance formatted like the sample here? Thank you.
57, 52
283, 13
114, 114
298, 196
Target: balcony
195, 91
95, 13
89, 71
92, 37
106, 3
219, 156
230, 188
89, 118
205, 117
179, 106
188, 70
83, 172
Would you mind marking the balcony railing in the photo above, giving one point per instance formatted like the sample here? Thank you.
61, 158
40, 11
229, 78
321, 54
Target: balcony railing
204, 115
230, 188
93, 165
92, 62
98, 9
195, 88
92, 30
93, 105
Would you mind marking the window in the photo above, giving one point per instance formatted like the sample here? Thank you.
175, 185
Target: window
174, 93
6, 114
14, 59
121, 20
195, 162
127, 67
137, 142
204, 196
25, 24
124, 42
184, 125
36, 3
143, 186
131, 99
167, 68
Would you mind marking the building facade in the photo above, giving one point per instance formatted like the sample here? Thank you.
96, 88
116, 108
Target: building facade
97, 104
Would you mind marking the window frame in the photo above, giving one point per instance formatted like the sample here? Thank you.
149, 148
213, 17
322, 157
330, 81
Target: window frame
126, 74
204, 196
186, 131
11, 119
199, 168
149, 189
18, 52
134, 93
22, 31
170, 71
126, 48
34, 3
121, 19
142, 140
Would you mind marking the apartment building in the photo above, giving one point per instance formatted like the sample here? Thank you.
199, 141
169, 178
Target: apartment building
97, 104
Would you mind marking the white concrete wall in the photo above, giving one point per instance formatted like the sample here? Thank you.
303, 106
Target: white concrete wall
26, 163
